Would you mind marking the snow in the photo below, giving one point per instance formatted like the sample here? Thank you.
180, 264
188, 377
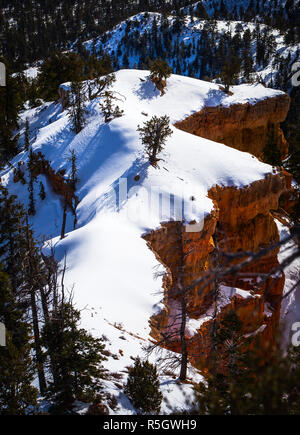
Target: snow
110, 267
31, 73
258, 331
290, 307
120, 40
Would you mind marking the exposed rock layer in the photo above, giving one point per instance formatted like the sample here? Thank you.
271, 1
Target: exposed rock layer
242, 126
241, 221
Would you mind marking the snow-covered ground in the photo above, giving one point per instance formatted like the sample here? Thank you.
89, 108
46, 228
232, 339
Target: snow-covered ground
109, 264
120, 40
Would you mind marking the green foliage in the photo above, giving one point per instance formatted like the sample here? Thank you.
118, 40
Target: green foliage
60, 67
160, 69
17, 371
142, 387
12, 244
31, 206
108, 109
100, 85
10, 105
154, 135
74, 178
259, 388
76, 109
75, 358
230, 71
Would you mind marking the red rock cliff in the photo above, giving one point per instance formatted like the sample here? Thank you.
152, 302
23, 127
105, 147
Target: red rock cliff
241, 221
241, 126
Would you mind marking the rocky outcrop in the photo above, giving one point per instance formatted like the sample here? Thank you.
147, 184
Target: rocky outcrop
160, 84
245, 127
64, 97
241, 221
56, 179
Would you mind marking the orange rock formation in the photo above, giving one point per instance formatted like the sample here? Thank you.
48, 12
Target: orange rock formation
241, 126
241, 221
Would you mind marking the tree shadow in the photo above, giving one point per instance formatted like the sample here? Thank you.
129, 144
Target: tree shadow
147, 90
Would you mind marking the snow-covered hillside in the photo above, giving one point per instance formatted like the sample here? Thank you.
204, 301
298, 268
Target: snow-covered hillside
109, 264
149, 35
237, 6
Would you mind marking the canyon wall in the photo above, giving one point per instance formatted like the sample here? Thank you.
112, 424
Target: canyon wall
245, 127
241, 221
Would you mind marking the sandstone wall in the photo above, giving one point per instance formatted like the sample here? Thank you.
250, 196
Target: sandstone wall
241, 126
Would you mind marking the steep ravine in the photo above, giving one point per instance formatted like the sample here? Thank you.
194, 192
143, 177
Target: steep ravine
241, 221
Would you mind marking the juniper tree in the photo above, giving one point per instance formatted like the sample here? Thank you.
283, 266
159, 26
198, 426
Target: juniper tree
31, 208
17, 370
154, 134
34, 279
159, 71
142, 387
100, 85
77, 110
230, 71
76, 358
108, 109
22, 261
74, 179
12, 244
10, 105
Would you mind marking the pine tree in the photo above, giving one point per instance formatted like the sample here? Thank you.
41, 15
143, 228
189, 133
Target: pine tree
230, 71
142, 387
56, 69
160, 71
27, 142
154, 134
17, 371
31, 208
34, 279
74, 179
12, 244
76, 358
10, 105
108, 109
76, 110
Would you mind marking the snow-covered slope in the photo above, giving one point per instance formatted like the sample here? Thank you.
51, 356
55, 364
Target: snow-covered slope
109, 264
189, 50
238, 6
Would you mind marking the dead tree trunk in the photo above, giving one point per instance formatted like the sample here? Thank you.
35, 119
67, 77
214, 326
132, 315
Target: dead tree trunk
37, 344
63, 227
183, 343
31, 285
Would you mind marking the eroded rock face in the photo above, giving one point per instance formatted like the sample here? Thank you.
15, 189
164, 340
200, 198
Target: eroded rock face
241, 221
64, 97
242, 126
56, 179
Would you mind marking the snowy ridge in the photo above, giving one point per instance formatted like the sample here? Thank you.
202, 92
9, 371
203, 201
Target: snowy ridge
109, 263
127, 39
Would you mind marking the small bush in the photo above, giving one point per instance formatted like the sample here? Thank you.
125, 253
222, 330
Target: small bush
142, 388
